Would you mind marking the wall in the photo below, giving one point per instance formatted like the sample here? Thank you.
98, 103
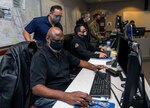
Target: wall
144, 46
11, 28
71, 12
117, 8
15, 19
141, 18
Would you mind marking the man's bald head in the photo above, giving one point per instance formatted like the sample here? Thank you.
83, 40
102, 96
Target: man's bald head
54, 33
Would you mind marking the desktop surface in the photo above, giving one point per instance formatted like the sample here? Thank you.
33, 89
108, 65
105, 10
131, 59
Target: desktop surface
83, 82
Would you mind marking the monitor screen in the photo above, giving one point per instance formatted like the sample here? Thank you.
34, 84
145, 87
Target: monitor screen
139, 31
115, 41
123, 52
132, 80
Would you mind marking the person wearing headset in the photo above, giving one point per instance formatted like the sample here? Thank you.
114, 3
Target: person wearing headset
82, 48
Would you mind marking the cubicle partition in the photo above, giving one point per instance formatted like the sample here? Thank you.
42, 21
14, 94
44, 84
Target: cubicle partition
144, 46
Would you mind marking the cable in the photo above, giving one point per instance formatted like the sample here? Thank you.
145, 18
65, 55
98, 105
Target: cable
115, 97
114, 92
117, 87
114, 85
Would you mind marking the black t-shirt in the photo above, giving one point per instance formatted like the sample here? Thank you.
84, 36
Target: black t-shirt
51, 71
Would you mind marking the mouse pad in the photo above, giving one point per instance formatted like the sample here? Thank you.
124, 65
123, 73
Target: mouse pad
99, 104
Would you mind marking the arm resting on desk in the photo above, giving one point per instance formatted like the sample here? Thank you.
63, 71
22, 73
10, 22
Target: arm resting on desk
73, 98
90, 66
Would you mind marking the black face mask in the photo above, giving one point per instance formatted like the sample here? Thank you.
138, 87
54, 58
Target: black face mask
98, 20
57, 46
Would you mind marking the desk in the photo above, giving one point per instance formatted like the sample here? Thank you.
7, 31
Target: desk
84, 80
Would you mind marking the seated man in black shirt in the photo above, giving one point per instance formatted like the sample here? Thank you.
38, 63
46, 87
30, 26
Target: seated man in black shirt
82, 48
50, 73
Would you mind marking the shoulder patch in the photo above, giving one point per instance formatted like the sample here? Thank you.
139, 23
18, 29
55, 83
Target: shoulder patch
76, 45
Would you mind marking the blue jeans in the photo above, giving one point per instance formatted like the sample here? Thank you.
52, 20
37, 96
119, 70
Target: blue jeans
44, 103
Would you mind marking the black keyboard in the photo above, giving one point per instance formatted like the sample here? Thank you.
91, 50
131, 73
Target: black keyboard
101, 86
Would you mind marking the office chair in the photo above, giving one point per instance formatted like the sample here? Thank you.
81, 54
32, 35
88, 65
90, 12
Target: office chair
15, 77
67, 42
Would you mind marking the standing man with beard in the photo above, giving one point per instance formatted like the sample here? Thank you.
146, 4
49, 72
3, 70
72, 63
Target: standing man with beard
41, 25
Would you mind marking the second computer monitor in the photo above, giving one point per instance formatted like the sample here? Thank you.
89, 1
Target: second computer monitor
132, 80
123, 52
139, 31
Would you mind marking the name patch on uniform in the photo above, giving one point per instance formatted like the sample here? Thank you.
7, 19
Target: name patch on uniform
76, 45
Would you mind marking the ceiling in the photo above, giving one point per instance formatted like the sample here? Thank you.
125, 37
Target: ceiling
95, 1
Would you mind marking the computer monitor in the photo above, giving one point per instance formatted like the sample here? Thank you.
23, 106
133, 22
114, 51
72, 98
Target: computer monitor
122, 48
115, 41
139, 31
132, 81
122, 53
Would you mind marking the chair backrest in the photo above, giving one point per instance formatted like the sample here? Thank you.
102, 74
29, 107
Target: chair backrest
67, 42
15, 76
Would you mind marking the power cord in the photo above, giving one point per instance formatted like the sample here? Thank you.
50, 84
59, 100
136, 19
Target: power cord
114, 92
117, 87
116, 97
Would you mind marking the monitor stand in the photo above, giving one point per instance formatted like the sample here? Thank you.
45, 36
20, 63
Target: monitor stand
122, 76
138, 100
113, 63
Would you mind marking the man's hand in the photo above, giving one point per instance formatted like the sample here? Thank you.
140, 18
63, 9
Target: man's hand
99, 67
103, 48
102, 55
33, 40
77, 98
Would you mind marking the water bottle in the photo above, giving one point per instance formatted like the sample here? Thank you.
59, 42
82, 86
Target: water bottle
108, 49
